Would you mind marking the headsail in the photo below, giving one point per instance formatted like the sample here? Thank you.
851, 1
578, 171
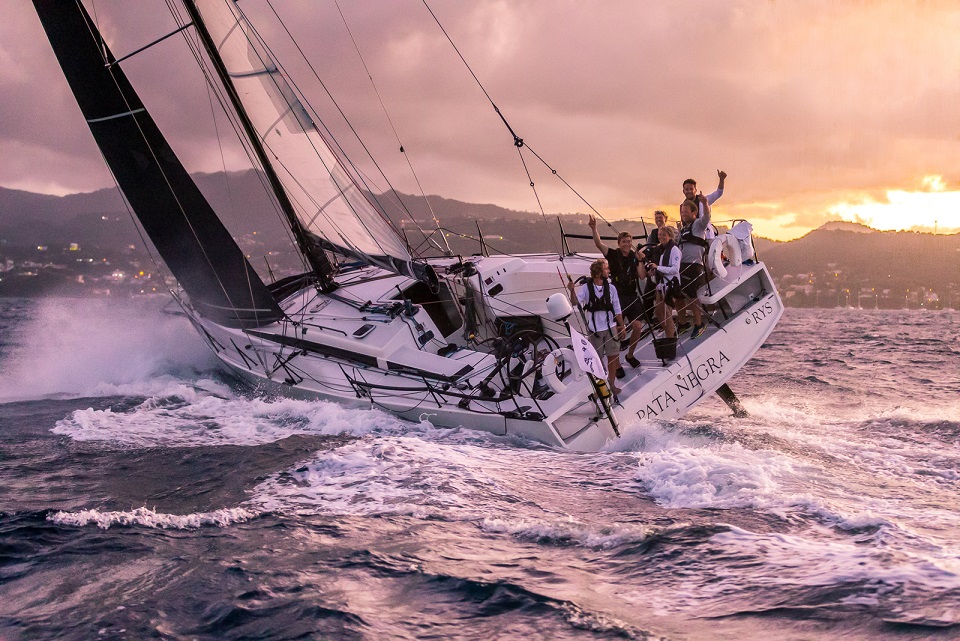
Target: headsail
328, 202
190, 238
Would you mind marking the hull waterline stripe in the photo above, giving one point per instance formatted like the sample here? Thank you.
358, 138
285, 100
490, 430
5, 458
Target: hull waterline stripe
115, 116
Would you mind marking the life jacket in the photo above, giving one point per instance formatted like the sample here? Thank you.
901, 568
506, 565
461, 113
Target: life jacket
687, 236
601, 304
652, 249
671, 283
665, 260
623, 271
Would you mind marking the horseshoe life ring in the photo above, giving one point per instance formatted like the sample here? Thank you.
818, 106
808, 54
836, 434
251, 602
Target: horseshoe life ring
723, 244
548, 369
517, 369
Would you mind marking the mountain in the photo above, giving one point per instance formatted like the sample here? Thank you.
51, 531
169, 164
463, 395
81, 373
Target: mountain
101, 217
842, 225
847, 252
881, 259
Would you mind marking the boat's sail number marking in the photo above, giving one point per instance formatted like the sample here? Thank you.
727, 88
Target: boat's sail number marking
115, 116
760, 313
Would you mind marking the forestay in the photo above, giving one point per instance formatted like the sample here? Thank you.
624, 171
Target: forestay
328, 202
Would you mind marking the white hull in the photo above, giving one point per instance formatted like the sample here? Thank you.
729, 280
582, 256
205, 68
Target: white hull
327, 350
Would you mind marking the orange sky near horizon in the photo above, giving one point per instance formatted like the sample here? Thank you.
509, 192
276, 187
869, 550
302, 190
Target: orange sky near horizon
817, 110
933, 208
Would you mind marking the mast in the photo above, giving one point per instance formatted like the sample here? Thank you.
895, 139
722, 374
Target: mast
315, 256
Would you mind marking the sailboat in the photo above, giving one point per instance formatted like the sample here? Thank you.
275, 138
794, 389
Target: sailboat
482, 342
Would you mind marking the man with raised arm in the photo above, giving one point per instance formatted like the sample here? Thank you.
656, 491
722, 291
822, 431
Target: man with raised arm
690, 188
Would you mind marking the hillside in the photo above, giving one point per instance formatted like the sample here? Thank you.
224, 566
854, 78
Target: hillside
100, 218
896, 260
845, 254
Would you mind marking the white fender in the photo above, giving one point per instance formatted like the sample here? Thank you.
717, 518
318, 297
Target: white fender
723, 244
548, 369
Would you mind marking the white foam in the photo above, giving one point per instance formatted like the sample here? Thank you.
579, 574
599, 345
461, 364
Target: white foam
149, 518
569, 531
189, 416
386, 476
644, 435
721, 476
90, 347
791, 559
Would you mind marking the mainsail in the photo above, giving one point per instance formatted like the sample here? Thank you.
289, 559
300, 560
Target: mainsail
327, 200
192, 241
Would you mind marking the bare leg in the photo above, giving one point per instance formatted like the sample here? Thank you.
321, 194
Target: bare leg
681, 306
613, 362
635, 330
665, 316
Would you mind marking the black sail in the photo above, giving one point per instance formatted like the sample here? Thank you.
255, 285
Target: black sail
192, 241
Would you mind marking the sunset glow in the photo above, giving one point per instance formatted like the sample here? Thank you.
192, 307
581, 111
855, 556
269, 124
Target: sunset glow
817, 111
935, 210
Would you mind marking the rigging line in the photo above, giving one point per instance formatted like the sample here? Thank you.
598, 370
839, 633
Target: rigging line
517, 140
543, 214
320, 265
390, 120
428, 240
194, 48
223, 163
570, 187
330, 134
494, 247
126, 203
155, 42
467, 65
251, 158
321, 209
402, 207
102, 43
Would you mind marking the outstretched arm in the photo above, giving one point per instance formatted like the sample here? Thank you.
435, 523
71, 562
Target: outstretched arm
596, 236
712, 198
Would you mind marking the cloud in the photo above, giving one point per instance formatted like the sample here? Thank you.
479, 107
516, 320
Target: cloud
800, 103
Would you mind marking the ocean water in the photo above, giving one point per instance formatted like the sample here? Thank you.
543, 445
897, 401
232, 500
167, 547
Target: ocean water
145, 495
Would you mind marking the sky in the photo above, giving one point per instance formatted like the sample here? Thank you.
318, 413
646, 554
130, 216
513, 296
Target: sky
817, 110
